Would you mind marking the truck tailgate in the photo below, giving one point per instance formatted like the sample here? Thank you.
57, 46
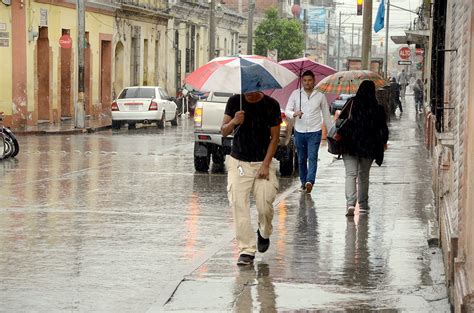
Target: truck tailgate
212, 115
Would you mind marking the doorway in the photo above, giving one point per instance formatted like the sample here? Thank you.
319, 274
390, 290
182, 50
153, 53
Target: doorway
42, 61
87, 76
105, 74
66, 80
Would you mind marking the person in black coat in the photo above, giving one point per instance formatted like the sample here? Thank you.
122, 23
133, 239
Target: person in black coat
395, 96
364, 138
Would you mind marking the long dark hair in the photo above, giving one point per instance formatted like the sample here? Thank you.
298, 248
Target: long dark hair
366, 93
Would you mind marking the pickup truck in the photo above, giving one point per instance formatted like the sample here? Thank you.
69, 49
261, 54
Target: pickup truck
209, 143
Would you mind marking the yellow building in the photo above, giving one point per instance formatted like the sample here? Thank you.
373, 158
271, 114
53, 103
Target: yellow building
188, 37
129, 42
39, 57
140, 44
6, 64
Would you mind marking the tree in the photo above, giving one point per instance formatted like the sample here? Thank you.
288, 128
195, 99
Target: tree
285, 35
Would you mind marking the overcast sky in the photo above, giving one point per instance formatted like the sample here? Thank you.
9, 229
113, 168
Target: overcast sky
399, 19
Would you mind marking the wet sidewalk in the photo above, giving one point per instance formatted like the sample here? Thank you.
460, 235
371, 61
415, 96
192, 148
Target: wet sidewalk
319, 260
64, 127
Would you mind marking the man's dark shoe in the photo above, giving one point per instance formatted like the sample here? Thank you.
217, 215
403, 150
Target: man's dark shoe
262, 243
245, 259
308, 186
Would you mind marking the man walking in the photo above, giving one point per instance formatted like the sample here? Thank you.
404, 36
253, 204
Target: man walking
403, 82
308, 107
256, 129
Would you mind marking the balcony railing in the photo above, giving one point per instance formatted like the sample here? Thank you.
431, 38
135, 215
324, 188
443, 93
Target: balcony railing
421, 22
154, 5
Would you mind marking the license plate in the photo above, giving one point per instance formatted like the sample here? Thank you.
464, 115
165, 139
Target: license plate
133, 107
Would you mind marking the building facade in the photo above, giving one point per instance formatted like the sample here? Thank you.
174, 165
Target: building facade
450, 139
38, 58
140, 44
127, 42
188, 36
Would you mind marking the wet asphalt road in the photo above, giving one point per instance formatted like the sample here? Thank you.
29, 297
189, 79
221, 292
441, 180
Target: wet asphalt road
106, 222
119, 222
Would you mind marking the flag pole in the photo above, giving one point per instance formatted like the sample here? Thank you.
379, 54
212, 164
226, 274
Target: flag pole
386, 40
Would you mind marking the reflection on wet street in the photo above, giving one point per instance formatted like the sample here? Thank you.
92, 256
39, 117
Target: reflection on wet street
106, 222
120, 222
321, 260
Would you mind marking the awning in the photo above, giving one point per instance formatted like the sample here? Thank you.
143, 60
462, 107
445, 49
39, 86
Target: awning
399, 40
417, 36
412, 37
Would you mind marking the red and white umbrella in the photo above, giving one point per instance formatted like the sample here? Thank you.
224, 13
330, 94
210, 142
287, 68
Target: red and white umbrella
240, 74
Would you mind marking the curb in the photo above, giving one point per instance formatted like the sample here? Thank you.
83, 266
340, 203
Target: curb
61, 132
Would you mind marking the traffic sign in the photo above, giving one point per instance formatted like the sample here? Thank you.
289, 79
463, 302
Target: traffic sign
65, 41
404, 53
404, 62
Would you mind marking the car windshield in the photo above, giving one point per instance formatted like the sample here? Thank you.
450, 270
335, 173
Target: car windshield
128, 93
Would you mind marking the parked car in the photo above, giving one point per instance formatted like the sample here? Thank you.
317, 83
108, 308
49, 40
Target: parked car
143, 104
339, 102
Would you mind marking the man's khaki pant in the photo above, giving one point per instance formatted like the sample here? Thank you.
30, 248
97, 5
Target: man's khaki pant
238, 191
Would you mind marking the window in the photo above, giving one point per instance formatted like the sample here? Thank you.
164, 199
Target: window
129, 93
163, 93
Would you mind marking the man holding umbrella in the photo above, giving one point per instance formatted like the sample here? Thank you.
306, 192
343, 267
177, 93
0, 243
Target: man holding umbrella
309, 108
254, 119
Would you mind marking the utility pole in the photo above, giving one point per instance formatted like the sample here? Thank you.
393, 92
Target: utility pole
250, 27
79, 116
328, 42
352, 40
385, 68
339, 43
358, 42
366, 34
306, 37
280, 8
212, 29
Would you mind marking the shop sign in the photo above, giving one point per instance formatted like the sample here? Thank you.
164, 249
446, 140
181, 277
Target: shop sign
43, 18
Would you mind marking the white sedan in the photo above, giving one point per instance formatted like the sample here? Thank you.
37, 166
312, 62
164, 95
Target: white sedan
143, 104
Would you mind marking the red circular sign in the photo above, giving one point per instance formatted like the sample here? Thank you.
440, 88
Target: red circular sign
65, 42
404, 53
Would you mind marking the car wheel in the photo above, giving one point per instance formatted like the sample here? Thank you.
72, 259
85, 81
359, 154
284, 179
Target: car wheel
14, 142
132, 126
174, 122
8, 148
286, 162
116, 124
218, 156
161, 123
201, 164
296, 164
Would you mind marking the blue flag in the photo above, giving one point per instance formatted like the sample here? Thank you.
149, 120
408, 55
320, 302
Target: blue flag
380, 19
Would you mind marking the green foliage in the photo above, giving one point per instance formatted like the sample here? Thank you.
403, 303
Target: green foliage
282, 34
